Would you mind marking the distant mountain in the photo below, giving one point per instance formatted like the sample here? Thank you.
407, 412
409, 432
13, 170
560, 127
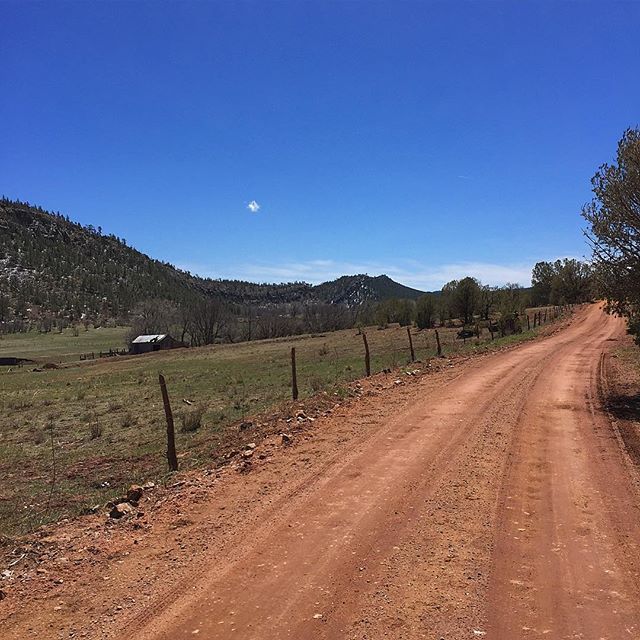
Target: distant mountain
353, 290
49, 263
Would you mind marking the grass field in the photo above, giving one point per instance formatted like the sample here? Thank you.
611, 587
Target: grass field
77, 435
62, 347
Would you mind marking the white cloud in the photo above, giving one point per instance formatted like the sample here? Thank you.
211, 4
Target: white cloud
413, 274
253, 206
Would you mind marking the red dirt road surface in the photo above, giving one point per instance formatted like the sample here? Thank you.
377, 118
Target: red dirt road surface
491, 500
501, 507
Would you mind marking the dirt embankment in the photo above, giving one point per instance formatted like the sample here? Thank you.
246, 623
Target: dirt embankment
491, 498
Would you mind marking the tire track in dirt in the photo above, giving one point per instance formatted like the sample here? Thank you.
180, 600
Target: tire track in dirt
399, 536
565, 563
380, 475
492, 500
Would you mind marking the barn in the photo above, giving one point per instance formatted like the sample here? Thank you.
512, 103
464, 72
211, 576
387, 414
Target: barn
154, 342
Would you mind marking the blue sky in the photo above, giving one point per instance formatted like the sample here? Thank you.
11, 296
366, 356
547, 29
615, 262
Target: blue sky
423, 140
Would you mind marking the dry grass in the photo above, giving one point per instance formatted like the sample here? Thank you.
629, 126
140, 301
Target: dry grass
62, 347
108, 421
191, 419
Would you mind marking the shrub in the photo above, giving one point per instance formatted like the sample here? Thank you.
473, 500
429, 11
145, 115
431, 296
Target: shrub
127, 420
191, 419
316, 383
96, 430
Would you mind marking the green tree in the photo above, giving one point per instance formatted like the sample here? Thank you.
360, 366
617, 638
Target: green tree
511, 299
566, 281
394, 310
488, 300
404, 313
425, 311
447, 301
572, 282
614, 218
462, 298
541, 283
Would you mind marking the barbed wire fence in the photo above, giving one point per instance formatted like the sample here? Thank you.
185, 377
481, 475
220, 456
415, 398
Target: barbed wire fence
319, 366
316, 368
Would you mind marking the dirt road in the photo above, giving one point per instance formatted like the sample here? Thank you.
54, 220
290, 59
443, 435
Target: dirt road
491, 499
500, 506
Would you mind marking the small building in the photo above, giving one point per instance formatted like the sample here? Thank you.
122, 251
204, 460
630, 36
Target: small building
155, 342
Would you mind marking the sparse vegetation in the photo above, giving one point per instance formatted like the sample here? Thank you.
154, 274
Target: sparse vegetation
191, 419
225, 383
96, 430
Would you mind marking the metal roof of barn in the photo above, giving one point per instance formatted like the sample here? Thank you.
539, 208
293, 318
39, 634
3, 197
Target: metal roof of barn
152, 338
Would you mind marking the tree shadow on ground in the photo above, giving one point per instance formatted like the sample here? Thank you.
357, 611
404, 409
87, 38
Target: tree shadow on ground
626, 410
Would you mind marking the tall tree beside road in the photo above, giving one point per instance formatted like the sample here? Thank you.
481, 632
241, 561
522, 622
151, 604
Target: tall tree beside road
614, 218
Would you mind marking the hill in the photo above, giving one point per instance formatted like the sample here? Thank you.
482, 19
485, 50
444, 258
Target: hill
362, 288
50, 264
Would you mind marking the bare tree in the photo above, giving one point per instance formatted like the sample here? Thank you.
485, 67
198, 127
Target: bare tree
275, 324
4, 308
326, 317
153, 316
209, 318
184, 321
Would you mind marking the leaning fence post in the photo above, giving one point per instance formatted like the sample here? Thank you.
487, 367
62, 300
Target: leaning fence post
171, 438
439, 347
413, 353
367, 358
294, 377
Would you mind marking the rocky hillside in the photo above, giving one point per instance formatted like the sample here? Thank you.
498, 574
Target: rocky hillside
48, 263
353, 290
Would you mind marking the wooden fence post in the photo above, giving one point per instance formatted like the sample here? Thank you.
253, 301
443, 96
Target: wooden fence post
545, 315
528, 323
438, 343
367, 359
172, 459
294, 377
413, 353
